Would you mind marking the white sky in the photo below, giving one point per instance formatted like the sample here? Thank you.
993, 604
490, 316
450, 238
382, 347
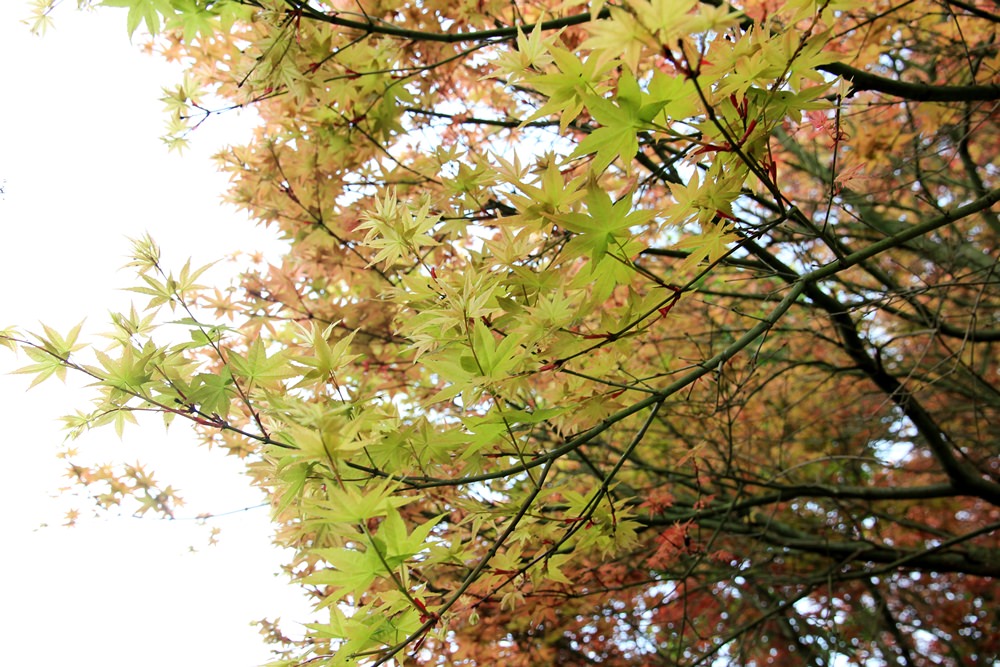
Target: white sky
83, 167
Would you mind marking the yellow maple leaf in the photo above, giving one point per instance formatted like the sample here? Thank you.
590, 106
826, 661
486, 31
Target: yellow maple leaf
711, 244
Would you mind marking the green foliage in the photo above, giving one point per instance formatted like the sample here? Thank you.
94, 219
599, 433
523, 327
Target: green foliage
609, 333
195, 18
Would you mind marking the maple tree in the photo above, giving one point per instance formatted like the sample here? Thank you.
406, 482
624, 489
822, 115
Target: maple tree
610, 332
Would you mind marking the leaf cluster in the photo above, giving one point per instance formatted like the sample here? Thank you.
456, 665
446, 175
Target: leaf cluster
619, 333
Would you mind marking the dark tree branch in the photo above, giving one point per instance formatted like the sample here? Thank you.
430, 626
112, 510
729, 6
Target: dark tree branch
918, 92
937, 558
962, 475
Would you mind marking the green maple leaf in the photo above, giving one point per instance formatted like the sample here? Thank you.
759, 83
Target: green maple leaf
631, 112
148, 11
395, 544
213, 393
711, 244
569, 87
51, 353
129, 372
352, 570
604, 224
258, 367
195, 19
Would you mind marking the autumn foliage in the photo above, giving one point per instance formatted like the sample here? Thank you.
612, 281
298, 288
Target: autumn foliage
625, 333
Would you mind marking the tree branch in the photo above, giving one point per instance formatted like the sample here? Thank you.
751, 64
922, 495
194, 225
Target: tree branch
918, 92
982, 562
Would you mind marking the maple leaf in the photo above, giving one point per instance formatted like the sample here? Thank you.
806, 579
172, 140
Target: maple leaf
605, 224
712, 244
258, 367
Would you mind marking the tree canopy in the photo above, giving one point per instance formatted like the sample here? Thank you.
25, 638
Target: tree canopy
622, 332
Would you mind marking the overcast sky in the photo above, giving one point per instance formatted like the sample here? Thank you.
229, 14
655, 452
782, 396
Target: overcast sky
82, 167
